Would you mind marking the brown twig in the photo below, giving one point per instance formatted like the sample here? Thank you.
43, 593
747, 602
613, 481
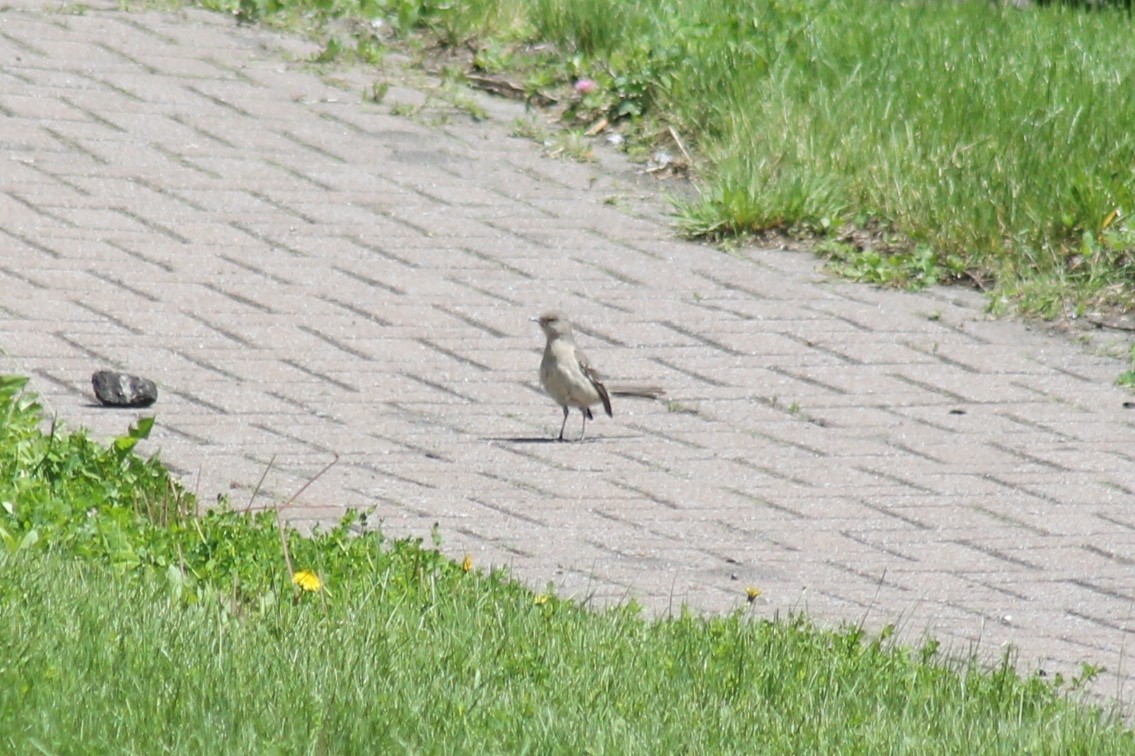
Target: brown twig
280, 519
681, 146
259, 483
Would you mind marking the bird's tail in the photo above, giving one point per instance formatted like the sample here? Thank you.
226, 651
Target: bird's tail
637, 391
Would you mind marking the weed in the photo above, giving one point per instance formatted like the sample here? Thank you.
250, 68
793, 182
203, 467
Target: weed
377, 92
332, 50
914, 269
461, 99
680, 408
404, 109
1127, 377
529, 128
570, 144
557, 143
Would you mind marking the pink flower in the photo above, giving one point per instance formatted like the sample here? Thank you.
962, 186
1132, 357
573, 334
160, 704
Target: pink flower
585, 86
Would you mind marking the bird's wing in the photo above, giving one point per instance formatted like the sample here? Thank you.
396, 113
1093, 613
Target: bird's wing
592, 375
585, 364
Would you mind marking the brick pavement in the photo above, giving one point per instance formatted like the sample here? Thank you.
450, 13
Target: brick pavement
306, 274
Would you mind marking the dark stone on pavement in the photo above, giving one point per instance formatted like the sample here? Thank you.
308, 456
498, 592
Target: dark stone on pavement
122, 390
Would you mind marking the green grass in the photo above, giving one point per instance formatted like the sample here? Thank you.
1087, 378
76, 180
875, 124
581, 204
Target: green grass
129, 624
1127, 377
978, 142
406, 657
995, 138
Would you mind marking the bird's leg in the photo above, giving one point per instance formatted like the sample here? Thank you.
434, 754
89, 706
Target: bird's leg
586, 414
564, 424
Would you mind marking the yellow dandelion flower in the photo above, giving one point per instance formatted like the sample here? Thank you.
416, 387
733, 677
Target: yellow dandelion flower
751, 593
541, 598
467, 563
307, 580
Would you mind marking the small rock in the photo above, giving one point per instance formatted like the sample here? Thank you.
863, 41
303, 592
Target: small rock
660, 160
122, 390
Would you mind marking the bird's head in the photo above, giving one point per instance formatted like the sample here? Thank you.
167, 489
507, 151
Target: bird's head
554, 324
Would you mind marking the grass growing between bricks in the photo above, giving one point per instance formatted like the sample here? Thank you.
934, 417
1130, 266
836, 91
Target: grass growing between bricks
924, 142
128, 622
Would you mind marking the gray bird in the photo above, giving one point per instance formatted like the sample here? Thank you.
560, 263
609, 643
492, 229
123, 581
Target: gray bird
569, 378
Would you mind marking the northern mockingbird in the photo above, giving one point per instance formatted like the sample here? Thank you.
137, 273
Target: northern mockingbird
569, 378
